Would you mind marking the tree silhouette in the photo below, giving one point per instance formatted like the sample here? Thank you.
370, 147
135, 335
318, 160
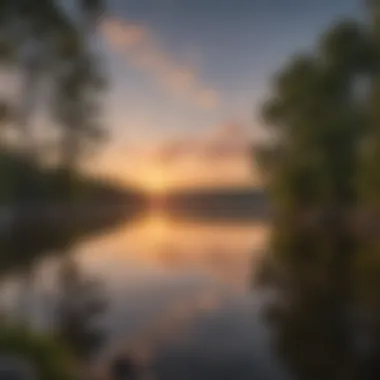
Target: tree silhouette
323, 175
44, 43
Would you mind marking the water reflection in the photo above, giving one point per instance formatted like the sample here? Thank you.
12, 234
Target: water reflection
325, 311
166, 279
158, 246
179, 296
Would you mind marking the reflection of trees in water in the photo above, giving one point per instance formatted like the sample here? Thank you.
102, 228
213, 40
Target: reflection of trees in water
80, 301
312, 316
23, 251
70, 317
325, 316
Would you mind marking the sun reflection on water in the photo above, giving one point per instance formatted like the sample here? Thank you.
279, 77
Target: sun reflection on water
158, 244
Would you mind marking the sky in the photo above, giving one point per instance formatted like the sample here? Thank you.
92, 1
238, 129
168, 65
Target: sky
188, 77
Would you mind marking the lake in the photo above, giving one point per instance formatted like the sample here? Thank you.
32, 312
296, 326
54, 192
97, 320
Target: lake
180, 296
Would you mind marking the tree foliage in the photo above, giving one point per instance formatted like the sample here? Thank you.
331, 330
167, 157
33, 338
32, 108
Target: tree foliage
43, 43
323, 174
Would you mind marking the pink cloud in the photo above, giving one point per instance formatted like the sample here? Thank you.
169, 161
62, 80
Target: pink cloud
124, 36
225, 142
142, 50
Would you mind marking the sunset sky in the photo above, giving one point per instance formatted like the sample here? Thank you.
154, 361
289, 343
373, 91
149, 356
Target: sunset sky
187, 78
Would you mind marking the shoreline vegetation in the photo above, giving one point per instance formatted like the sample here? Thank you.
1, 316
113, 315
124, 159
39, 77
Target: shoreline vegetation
40, 214
46, 209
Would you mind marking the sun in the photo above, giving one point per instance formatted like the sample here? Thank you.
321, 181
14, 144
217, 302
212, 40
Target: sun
155, 182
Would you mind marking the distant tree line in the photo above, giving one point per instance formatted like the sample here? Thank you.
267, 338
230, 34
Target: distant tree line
219, 204
29, 182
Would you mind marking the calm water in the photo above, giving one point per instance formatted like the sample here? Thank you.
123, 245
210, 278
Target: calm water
180, 296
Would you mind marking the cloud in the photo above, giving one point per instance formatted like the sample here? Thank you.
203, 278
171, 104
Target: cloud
124, 37
223, 143
142, 50
219, 156
222, 156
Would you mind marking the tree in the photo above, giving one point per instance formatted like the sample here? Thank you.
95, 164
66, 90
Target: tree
44, 43
323, 175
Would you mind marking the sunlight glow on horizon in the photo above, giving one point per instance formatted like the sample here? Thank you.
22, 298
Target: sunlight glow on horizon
218, 157
154, 181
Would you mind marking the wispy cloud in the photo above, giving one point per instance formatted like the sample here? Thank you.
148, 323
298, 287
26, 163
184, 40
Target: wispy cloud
219, 156
142, 50
222, 156
222, 143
